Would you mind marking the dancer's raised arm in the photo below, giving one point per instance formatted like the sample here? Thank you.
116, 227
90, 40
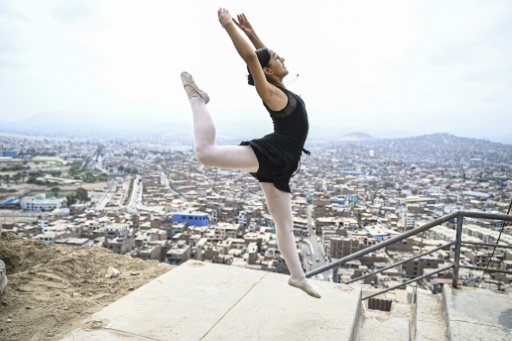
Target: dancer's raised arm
273, 97
249, 31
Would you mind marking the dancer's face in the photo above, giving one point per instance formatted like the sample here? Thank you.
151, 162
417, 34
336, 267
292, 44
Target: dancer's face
277, 64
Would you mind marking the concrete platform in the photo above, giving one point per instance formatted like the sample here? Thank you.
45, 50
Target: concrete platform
478, 314
204, 301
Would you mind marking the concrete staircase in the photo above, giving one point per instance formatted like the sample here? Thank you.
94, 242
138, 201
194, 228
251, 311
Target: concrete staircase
456, 315
204, 301
396, 324
430, 317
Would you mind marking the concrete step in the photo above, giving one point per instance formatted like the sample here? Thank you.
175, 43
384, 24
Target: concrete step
398, 295
478, 314
393, 325
204, 301
430, 317
381, 326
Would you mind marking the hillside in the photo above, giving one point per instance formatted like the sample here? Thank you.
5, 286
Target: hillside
354, 137
54, 287
436, 146
64, 124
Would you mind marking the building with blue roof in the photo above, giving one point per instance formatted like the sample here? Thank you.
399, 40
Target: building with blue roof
191, 218
478, 194
11, 153
10, 203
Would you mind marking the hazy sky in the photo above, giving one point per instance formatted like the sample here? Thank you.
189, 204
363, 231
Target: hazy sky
381, 67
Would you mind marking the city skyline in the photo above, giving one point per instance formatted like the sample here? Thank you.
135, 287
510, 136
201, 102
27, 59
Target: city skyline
89, 221
391, 69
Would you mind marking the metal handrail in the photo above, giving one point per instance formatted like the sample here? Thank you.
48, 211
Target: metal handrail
488, 244
400, 263
484, 215
409, 281
385, 243
458, 215
486, 269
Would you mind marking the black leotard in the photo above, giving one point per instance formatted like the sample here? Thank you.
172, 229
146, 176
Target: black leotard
279, 153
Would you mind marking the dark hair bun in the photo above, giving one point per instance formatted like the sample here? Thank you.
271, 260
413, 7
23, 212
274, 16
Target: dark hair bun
264, 59
250, 80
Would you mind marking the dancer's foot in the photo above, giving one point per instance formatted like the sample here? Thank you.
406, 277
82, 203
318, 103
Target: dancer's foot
191, 87
304, 285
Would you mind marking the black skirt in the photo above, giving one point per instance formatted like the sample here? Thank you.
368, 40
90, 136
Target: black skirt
276, 165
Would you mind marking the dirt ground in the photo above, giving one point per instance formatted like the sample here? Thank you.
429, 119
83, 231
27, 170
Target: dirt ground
52, 288
23, 188
97, 186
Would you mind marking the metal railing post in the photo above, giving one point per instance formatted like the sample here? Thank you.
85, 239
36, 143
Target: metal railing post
456, 252
335, 274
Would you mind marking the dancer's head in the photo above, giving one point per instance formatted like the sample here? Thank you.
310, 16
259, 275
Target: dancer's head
272, 65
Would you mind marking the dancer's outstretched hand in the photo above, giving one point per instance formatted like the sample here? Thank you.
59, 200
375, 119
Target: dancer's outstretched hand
224, 16
244, 24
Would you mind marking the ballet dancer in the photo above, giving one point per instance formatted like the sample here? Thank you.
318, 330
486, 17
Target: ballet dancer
272, 159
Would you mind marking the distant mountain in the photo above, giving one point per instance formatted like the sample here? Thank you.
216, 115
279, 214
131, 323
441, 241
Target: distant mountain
440, 145
354, 137
67, 124
53, 123
442, 139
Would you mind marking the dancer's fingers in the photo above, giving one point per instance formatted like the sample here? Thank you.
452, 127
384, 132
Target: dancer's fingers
223, 11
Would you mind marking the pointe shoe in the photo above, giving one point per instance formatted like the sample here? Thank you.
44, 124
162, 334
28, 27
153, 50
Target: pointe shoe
191, 87
304, 286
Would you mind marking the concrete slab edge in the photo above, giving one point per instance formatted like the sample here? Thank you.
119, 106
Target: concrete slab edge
413, 325
446, 313
357, 320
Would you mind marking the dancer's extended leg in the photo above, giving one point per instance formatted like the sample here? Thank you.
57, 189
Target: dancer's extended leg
227, 157
280, 207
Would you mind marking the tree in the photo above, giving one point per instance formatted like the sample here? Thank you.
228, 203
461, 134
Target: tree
55, 191
16, 177
81, 195
89, 177
70, 200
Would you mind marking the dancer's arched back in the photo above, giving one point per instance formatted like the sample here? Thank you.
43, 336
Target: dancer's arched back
272, 159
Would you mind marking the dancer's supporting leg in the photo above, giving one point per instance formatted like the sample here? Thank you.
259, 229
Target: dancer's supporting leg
280, 207
227, 157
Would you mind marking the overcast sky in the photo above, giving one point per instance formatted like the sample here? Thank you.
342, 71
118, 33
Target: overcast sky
380, 67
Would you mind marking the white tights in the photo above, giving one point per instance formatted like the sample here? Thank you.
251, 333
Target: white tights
280, 207
243, 158
227, 157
